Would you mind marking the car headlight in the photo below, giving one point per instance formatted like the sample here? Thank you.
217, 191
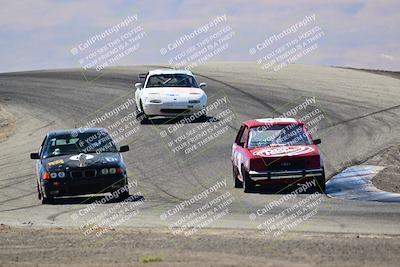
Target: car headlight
111, 171
155, 101
53, 175
61, 174
194, 101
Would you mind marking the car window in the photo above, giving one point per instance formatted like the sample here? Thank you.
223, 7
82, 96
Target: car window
278, 136
42, 146
171, 80
241, 137
65, 144
244, 136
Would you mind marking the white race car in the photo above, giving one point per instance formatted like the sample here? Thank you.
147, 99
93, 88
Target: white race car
170, 93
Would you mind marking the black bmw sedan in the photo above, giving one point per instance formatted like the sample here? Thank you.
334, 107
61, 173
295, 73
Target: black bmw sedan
78, 162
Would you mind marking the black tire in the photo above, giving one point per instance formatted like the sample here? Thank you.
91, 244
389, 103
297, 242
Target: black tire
320, 184
124, 195
139, 115
47, 200
144, 119
248, 184
203, 117
238, 183
39, 195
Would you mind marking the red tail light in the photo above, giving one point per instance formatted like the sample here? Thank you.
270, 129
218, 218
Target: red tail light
118, 171
313, 162
46, 176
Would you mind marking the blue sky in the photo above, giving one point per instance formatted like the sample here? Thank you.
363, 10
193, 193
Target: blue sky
39, 34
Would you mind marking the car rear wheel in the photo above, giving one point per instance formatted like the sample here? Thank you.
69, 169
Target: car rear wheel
238, 183
248, 184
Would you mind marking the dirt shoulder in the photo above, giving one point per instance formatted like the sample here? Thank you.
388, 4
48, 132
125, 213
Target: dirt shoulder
388, 179
7, 123
131, 247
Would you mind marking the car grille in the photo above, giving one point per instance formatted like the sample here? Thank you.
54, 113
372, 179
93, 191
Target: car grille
174, 110
83, 173
286, 165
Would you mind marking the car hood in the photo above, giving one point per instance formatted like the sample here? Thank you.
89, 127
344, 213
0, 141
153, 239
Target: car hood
92, 160
283, 151
175, 91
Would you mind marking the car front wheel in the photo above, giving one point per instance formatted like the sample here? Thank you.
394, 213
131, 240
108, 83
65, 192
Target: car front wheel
140, 115
124, 195
47, 200
320, 183
248, 184
238, 183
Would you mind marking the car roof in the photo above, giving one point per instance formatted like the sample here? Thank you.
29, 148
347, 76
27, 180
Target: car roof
70, 131
170, 71
271, 122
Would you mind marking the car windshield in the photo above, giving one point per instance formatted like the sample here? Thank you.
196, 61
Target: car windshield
290, 135
66, 144
171, 80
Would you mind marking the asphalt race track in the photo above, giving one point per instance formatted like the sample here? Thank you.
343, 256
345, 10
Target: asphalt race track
361, 119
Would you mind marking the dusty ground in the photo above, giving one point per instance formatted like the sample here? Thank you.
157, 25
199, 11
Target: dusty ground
389, 178
32, 246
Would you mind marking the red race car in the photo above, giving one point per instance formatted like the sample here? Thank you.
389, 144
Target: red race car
276, 151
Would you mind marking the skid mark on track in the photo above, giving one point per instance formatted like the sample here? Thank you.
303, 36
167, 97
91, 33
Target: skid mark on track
28, 178
21, 208
18, 197
247, 94
362, 116
354, 183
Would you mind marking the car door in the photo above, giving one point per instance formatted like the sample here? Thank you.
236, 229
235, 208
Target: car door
238, 148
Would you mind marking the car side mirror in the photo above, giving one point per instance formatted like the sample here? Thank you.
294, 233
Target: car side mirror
35, 156
317, 141
139, 86
240, 144
123, 149
202, 85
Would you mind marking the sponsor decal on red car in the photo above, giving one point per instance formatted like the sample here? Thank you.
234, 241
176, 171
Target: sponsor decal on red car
283, 151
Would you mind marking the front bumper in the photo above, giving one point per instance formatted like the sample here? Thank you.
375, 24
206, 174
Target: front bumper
172, 109
270, 176
74, 187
